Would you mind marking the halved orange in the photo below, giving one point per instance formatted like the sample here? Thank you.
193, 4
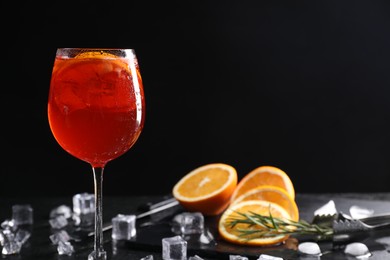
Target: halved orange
264, 175
261, 207
273, 194
207, 189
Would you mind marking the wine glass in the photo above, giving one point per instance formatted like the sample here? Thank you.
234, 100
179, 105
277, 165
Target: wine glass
96, 112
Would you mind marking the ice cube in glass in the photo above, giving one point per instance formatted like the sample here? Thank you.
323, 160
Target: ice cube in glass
22, 214
123, 227
174, 248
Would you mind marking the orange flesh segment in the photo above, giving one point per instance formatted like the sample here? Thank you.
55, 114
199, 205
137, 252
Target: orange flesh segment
204, 183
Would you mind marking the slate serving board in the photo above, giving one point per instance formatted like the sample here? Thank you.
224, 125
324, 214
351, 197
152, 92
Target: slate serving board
149, 236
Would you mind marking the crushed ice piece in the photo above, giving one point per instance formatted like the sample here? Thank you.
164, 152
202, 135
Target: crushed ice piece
8, 224
237, 257
328, 208
309, 248
148, 257
60, 236
11, 247
206, 237
22, 236
8, 234
65, 248
358, 212
268, 257
2, 237
58, 222
62, 210
357, 249
195, 257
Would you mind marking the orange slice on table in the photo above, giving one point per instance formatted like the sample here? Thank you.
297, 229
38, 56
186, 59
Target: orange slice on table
261, 207
272, 194
264, 175
207, 189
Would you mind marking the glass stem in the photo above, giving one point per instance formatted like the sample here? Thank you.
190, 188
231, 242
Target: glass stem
98, 184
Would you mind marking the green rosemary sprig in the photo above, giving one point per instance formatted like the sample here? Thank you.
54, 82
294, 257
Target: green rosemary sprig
260, 226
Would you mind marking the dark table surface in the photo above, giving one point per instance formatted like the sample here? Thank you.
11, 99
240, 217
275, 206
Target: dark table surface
148, 240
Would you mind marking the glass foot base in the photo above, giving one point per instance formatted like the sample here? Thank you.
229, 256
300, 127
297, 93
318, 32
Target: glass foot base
100, 255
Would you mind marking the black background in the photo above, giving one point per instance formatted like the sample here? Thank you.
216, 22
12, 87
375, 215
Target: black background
301, 85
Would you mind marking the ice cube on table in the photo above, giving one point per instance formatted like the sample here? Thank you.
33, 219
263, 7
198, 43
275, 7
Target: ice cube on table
268, 257
58, 222
309, 248
123, 227
65, 248
84, 220
22, 214
195, 257
187, 223
62, 210
237, 257
83, 203
174, 248
357, 249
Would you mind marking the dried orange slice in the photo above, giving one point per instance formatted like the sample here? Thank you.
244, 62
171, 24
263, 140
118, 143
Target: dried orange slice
207, 189
264, 175
272, 194
261, 207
